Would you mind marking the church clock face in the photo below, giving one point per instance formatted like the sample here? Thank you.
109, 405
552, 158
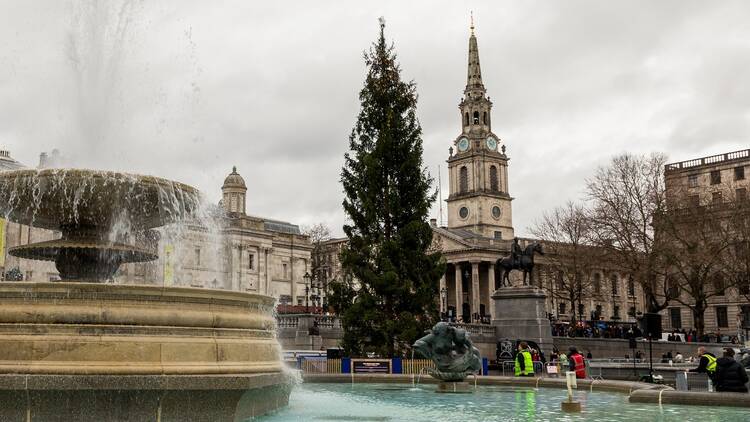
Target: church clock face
491, 143
463, 144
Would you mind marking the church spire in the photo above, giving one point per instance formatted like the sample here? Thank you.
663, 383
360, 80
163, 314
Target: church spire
474, 83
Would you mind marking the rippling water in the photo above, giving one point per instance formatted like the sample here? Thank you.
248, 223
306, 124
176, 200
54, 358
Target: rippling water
387, 402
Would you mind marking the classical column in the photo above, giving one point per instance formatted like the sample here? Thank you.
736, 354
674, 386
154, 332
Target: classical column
443, 306
459, 292
490, 288
474, 288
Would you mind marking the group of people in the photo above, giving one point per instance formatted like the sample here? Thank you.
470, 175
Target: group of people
525, 358
596, 330
725, 372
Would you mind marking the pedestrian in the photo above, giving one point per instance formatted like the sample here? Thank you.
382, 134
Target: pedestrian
563, 359
707, 363
730, 375
588, 355
524, 366
678, 358
577, 362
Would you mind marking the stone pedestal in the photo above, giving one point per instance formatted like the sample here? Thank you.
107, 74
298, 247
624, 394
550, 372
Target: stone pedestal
92, 352
519, 314
454, 387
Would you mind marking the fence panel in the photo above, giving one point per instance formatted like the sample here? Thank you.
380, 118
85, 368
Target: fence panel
415, 366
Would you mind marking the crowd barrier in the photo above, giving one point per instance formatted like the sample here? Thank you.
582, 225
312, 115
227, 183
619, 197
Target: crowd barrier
323, 365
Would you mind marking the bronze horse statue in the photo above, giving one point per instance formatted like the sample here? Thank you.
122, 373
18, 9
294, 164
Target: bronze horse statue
525, 263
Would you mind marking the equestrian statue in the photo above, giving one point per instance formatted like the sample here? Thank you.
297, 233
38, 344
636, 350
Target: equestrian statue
519, 259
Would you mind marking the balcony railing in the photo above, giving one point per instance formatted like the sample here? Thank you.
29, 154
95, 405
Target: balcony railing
713, 159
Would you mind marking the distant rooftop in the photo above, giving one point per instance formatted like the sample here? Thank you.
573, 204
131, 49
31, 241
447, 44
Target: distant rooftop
281, 227
711, 160
7, 162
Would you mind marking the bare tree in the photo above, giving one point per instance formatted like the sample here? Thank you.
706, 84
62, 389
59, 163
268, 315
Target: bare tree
318, 233
625, 197
697, 241
566, 233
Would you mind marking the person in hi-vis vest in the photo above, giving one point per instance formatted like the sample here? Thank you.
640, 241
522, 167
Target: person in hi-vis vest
524, 364
577, 363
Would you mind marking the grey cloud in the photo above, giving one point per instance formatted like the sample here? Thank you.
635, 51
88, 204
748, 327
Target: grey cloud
272, 88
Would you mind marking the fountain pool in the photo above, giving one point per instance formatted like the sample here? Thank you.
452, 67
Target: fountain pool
396, 403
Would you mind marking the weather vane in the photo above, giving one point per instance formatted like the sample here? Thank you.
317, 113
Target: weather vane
471, 13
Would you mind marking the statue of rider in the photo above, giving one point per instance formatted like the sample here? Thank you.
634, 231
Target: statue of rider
515, 253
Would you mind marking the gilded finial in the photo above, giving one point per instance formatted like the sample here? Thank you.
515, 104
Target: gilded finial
471, 13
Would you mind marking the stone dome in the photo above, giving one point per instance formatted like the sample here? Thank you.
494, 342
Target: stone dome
234, 180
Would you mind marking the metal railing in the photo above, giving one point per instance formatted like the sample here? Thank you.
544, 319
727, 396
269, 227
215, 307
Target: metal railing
713, 159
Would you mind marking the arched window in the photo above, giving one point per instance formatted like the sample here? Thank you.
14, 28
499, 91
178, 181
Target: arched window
463, 178
466, 119
476, 117
484, 118
493, 179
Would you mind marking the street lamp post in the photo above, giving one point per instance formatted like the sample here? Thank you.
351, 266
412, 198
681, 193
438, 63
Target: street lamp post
307, 291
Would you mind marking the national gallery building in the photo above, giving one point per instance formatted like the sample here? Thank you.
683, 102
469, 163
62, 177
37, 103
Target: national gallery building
234, 250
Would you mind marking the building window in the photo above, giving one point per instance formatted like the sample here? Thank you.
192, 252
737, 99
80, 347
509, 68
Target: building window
716, 177
484, 118
580, 311
631, 311
740, 194
739, 173
613, 279
719, 286
498, 235
631, 286
559, 280
283, 269
597, 313
694, 200
722, 321
251, 261
561, 307
463, 212
616, 312
197, 253
673, 289
493, 179
285, 299
693, 180
476, 117
716, 197
463, 179
466, 119
675, 316
597, 283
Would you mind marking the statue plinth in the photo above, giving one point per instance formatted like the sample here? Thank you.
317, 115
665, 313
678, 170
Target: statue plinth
454, 387
520, 314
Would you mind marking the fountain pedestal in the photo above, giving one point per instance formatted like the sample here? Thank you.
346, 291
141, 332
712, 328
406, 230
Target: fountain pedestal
94, 352
454, 387
520, 315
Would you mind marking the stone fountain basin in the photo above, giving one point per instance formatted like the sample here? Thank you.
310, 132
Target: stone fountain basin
57, 198
90, 351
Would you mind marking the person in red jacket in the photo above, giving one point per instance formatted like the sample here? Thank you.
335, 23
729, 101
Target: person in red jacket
577, 362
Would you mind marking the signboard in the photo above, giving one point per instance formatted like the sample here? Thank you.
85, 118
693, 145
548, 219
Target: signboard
371, 366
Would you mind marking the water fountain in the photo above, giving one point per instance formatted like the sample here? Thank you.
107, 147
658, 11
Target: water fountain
81, 349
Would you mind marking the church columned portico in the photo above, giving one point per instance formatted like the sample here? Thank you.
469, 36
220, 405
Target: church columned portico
470, 299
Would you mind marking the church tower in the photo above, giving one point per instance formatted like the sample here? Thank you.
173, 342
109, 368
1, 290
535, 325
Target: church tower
478, 170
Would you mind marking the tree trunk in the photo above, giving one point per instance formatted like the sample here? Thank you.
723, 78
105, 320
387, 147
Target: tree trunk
699, 313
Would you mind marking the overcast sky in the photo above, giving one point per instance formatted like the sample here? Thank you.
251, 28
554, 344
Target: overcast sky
187, 89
